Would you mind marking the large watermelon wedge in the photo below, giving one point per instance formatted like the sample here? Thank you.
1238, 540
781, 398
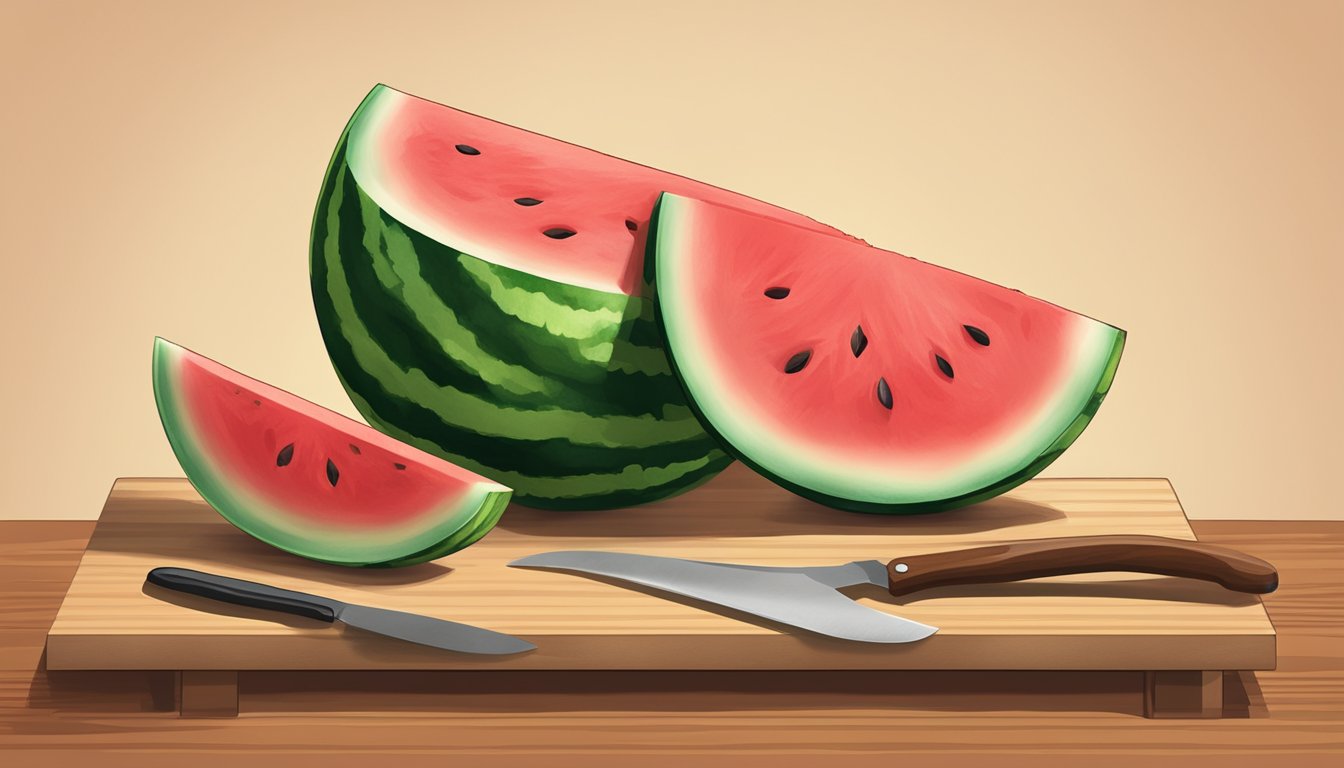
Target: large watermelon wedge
479, 289
308, 480
862, 378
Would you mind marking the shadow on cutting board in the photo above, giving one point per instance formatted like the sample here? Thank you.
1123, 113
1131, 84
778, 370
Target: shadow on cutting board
668, 691
205, 545
741, 503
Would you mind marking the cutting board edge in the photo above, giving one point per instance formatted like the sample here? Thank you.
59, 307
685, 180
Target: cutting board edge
1251, 651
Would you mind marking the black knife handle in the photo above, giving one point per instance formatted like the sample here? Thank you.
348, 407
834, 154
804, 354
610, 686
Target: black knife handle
248, 593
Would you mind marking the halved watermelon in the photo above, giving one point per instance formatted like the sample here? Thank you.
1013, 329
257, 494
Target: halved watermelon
479, 289
862, 378
308, 480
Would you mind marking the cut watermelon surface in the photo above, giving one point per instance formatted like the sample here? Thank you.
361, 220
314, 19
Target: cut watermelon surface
479, 290
308, 480
862, 378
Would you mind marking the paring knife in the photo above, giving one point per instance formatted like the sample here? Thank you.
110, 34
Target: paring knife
425, 630
807, 597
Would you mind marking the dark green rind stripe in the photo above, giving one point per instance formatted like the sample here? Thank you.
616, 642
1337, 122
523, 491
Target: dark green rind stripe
1060, 444
606, 344
583, 476
617, 499
380, 286
496, 455
545, 334
570, 296
485, 417
646, 333
591, 488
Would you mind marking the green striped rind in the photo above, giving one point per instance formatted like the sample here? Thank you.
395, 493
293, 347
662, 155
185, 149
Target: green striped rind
481, 523
560, 392
663, 244
439, 531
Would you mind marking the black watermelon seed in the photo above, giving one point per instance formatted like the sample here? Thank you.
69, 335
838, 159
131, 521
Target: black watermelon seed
944, 366
798, 361
398, 465
465, 149
979, 336
858, 342
256, 402
631, 225
285, 455
884, 393
527, 202
777, 292
354, 448
333, 474
559, 233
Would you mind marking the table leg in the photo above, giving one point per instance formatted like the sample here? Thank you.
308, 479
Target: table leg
207, 693
1183, 693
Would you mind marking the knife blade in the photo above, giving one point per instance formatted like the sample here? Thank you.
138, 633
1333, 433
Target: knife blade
411, 627
807, 597
791, 596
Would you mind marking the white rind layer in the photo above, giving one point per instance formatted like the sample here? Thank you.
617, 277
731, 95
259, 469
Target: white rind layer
376, 177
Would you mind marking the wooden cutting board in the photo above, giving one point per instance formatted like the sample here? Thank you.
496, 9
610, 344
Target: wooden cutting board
111, 620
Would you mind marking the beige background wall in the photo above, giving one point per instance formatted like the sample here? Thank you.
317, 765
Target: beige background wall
1175, 168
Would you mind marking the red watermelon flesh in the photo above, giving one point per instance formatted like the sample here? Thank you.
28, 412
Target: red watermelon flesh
863, 378
518, 199
308, 480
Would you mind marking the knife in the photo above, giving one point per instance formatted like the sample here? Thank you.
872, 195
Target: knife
425, 630
807, 598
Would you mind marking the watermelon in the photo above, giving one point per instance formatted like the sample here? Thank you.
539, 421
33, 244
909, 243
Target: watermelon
308, 480
862, 378
480, 292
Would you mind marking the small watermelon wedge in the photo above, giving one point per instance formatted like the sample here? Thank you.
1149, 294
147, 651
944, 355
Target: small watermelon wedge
865, 379
311, 481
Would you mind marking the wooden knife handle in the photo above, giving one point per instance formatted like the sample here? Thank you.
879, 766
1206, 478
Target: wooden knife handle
1082, 554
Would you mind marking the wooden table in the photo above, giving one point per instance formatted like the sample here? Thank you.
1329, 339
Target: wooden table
1293, 715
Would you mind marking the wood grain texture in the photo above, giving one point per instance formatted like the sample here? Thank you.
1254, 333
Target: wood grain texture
1293, 715
111, 620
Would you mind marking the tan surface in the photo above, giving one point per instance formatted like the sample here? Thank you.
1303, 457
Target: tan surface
109, 620
1293, 716
1174, 168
